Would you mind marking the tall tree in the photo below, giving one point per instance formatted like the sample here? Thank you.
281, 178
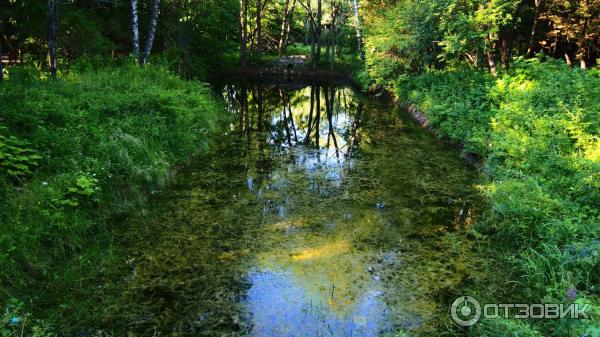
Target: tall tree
285, 25
135, 30
506, 40
534, 27
359, 37
243, 30
490, 53
319, 27
582, 53
335, 10
258, 30
314, 30
152, 31
53, 35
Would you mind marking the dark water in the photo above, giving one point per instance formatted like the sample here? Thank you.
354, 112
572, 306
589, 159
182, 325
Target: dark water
322, 213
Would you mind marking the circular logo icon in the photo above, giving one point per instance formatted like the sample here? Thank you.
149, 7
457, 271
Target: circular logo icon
466, 311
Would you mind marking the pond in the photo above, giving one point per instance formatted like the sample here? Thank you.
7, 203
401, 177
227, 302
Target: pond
321, 213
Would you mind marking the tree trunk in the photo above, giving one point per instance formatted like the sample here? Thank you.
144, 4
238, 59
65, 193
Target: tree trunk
333, 47
318, 116
258, 30
135, 30
534, 27
319, 27
582, 53
532, 42
334, 16
327, 46
260, 122
310, 115
1, 63
491, 59
505, 48
307, 26
243, 98
288, 27
289, 102
52, 35
358, 31
330, 120
284, 24
313, 45
491, 56
332, 42
243, 30
312, 31
568, 59
152, 31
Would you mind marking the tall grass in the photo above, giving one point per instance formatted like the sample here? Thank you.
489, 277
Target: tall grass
78, 153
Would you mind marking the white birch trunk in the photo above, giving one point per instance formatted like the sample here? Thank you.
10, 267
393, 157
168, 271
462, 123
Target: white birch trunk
135, 30
358, 30
152, 31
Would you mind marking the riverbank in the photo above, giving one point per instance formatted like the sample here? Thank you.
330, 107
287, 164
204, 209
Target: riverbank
77, 154
537, 129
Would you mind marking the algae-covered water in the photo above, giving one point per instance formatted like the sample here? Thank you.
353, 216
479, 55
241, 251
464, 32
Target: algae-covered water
321, 213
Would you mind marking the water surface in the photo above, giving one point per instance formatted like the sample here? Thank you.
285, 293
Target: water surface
322, 213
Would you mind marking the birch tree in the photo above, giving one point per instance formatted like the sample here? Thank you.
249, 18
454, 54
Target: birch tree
135, 31
359, 37
152, 31
143, 59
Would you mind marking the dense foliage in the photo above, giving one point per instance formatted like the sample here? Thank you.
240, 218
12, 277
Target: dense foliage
75, 155
410, 36
194, 35
538, 130
535, 124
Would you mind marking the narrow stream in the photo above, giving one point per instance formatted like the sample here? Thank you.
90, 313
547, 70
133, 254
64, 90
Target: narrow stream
322, 213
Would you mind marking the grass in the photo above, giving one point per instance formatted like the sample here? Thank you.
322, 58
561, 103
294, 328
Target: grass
77, 154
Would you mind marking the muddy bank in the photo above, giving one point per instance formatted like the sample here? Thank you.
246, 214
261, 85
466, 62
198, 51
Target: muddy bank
420, 117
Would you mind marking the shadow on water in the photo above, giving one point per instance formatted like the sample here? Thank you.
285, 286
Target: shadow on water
322, 213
